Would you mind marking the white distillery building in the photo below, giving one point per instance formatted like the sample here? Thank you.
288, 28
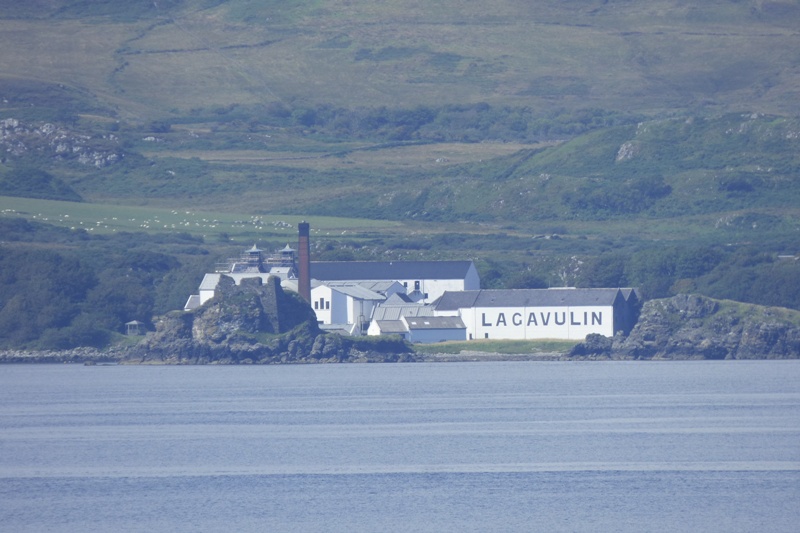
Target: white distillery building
415, 322
432, 301
387, 319
423, 281
251, 264
523, 314
347, 305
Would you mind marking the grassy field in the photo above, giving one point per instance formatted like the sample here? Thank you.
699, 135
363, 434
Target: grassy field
98, 218
497, 346
106, 218
428, 157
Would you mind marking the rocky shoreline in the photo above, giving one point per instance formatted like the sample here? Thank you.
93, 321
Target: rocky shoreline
684, 327
689, 326
87, 356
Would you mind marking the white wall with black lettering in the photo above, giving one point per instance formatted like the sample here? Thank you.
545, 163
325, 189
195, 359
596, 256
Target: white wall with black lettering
524, 323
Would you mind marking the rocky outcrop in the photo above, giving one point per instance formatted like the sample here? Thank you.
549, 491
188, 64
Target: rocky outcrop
87, 356
18, 138
696, 327
254, 323
594, 345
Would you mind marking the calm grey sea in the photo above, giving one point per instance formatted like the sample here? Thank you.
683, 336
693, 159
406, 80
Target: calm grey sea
516, 446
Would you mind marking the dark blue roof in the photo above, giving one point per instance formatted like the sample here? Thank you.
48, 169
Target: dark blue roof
391, 270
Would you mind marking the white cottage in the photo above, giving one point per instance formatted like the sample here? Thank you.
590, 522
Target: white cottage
344, 303
429, 329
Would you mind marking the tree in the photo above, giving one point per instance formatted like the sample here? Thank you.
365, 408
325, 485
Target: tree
527, 280
606, 270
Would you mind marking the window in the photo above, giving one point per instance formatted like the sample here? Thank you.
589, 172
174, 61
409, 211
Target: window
316, 305
416, 285
327, 305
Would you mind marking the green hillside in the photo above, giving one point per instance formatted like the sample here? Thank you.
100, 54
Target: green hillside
142, 60
586, 142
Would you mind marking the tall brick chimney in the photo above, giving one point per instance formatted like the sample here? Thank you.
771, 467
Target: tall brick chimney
304, 266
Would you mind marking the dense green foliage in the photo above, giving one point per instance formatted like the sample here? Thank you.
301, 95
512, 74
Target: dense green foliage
30, 182
83, 291
745, 274
445, 123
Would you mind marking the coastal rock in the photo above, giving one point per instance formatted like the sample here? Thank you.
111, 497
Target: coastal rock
696, 327
594, 345
253, 323
84, 355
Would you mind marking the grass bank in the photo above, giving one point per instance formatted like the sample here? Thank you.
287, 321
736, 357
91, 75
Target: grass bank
497, 347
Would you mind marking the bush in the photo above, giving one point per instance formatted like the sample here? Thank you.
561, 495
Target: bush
28, 182
74, 336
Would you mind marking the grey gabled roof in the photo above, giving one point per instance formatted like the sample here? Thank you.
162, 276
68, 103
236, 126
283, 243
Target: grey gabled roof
210, 282
630, 294
394, 312
398, 298
389, 270
192, 303
379, 286
357, 291
341, 329
435, 322
455, 300
392, 326
451, 301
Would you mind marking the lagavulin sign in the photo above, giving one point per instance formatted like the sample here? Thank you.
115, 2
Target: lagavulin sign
539, 322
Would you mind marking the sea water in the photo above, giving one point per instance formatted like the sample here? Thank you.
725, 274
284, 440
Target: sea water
492, 446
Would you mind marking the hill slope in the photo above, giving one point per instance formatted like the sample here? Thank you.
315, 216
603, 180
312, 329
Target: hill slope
141, 60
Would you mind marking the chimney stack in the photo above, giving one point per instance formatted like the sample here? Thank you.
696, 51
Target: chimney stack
304, 258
